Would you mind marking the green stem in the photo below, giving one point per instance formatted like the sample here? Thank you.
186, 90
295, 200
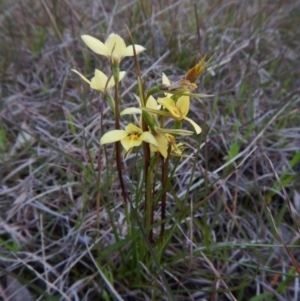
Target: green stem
148, 192
116, 71
148, 195
164, 181
178, 125
149, 204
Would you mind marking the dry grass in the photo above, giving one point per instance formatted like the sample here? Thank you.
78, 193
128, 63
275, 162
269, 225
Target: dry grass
235, 237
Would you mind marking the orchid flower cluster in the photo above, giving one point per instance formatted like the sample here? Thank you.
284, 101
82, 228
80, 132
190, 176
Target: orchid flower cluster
173, 101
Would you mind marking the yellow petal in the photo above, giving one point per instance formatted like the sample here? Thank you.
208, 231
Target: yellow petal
197, 128
99, 81
113, 136
153, 148
151, 103
166, 102
183, 104
111, 83
169, 104
129, 50
131, 128
131, 141
83, 77
162, 145
95, 45
115, 46
121, 75
165, 80
149, 138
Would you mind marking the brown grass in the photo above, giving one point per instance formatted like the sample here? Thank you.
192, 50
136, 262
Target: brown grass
235, 236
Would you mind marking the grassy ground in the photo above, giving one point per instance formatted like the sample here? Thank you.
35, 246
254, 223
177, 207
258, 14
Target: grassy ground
233, 214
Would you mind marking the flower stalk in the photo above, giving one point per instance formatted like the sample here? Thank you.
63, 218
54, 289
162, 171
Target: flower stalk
116, 73
164, 182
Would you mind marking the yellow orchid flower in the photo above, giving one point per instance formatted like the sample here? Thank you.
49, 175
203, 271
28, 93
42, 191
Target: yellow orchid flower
179, 109
100, 81
130, 137
114, 47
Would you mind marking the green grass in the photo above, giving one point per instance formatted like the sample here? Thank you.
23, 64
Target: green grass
64, 230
